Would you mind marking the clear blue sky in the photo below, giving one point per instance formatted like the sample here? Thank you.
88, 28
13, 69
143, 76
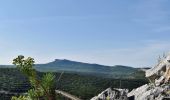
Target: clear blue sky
109, 32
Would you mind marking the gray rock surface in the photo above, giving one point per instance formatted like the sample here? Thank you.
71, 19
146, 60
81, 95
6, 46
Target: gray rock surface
157, 89
159, 86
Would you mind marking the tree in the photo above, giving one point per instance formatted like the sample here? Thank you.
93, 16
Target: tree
41, 89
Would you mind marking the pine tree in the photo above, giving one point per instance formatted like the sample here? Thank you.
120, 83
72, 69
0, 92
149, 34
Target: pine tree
41, 89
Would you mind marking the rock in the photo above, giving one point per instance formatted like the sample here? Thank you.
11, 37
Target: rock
112, 94
161, 72
159, 81
158, 89
138, 91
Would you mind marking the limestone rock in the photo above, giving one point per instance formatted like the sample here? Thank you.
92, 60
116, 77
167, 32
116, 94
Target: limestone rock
157, 89
112, 94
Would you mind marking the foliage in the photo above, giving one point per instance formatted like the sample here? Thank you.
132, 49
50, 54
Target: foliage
82, 86
21, 98
43, 88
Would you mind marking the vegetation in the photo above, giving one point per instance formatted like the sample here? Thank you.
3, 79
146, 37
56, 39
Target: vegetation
117, 71
41, 89
82, 86
17, 81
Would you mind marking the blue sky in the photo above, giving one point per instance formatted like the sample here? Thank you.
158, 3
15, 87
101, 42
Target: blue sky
109, 32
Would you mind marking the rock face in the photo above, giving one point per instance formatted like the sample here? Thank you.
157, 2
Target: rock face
159, 86
157, 89
161, 72
112, 94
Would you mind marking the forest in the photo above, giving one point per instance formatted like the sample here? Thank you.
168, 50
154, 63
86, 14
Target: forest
82, 86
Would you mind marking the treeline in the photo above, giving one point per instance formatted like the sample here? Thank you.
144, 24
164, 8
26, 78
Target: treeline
82, 86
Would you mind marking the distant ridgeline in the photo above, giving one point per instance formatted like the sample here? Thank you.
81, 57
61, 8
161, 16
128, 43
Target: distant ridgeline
68, 66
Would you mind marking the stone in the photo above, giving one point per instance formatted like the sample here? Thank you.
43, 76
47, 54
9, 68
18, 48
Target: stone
157, 89
112, 94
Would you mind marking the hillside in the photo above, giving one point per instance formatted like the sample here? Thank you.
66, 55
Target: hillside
116, 71
83, 86
68, 66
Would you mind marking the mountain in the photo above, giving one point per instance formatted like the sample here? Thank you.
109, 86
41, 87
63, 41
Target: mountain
60, 65
116, 71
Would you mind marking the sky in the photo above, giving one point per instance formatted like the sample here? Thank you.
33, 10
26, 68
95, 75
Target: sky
107, 32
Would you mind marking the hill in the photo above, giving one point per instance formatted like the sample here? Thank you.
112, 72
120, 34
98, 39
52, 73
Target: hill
68, 66
58, 65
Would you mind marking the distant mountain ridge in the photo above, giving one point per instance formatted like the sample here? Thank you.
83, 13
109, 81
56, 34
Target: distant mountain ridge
87, 68
65, 65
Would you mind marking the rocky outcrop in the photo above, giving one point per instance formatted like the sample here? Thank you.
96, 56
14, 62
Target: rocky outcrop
161, 72
112, 94
157, 89
159, 86
150, 92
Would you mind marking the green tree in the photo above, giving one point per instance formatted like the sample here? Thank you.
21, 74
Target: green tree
41, 89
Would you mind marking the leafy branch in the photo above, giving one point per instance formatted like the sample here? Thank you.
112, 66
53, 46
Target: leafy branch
41, 89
